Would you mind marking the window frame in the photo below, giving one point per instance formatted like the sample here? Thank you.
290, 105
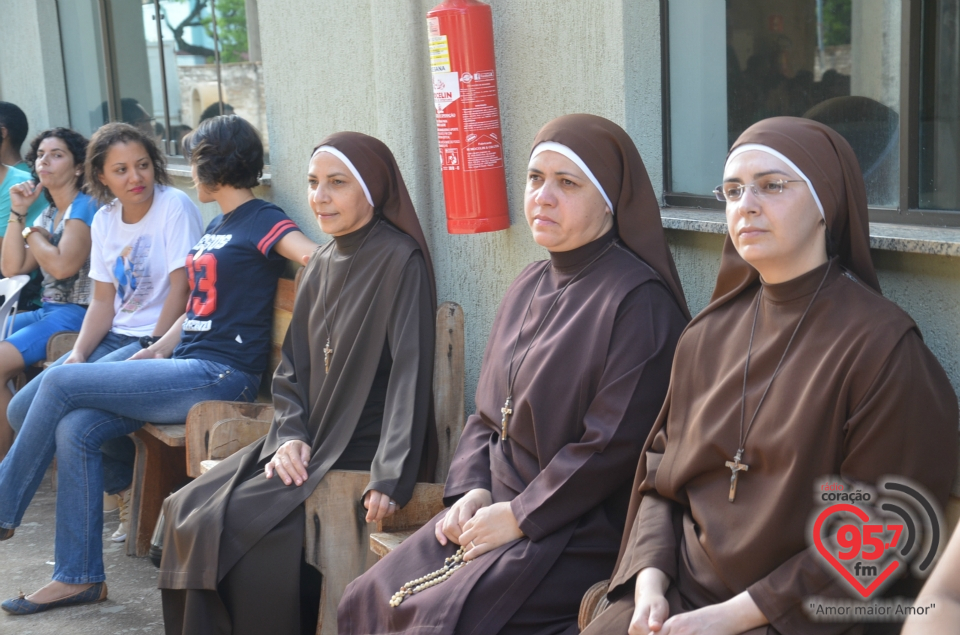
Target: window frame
108, 44
908, 211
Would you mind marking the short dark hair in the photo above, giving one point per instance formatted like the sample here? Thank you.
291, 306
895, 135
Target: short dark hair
131, 112
213, 110
15, 121
108, 136
226, 150
76, 143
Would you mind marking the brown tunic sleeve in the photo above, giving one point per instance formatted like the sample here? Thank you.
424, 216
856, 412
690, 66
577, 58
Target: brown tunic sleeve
654, 538
290, 394
880, 439
406, 406
470, 467
628, 398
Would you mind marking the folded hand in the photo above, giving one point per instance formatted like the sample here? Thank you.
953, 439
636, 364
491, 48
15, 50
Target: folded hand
489, 528
290, 463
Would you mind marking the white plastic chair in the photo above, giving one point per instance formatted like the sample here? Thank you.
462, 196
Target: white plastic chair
10, 290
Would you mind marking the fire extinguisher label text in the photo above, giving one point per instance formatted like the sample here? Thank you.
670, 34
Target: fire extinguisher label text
446, 89
439, 54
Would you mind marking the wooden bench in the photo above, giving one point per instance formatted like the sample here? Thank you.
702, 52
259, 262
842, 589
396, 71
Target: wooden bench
337, 537
59, 344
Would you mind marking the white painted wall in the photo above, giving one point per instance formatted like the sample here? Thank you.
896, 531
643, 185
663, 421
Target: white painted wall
31, 65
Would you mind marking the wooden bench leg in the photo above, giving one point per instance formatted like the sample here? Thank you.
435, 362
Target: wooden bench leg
337, 539
158, 470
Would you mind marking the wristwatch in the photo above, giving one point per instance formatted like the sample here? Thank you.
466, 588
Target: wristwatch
27, 231
148, 340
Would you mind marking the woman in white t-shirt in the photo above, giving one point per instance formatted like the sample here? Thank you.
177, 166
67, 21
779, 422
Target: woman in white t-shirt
140, 243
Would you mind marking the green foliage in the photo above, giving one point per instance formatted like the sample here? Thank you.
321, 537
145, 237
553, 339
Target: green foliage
836, 22
231, 28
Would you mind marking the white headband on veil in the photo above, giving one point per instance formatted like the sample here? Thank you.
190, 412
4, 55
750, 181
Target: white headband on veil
353, 170
559, 148
747, 147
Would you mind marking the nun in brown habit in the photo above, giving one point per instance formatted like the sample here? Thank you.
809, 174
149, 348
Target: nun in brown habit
574, 373
352, 391
797, 370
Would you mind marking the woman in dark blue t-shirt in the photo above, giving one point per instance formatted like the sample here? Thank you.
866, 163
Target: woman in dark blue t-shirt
216, 350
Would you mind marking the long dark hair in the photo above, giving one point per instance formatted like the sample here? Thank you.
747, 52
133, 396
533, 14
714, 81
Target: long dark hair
76, 143
105, 138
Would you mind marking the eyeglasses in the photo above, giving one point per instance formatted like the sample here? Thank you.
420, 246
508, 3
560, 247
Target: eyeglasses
732, 192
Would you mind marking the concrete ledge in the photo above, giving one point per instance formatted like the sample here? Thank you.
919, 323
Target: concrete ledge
182, 170
915, 239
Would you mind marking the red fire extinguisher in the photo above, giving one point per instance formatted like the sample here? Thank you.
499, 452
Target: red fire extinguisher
464, 74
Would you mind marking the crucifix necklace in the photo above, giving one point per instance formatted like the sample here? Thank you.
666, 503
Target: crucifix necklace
328, 323
736, 465
507, 409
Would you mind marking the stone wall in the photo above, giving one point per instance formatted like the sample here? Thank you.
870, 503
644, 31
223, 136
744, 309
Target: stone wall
242, 89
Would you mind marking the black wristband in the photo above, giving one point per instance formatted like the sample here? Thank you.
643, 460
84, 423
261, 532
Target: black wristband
148, 340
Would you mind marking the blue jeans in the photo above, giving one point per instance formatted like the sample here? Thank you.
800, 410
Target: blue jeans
118, 453
77, 408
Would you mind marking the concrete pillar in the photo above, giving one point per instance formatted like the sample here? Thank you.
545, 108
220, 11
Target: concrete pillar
31, 63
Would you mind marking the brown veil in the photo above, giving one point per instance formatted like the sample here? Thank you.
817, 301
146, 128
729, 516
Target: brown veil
376, 164
826, 158
613, 158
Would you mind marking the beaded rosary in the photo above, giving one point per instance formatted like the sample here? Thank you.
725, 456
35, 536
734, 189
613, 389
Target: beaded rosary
450, 565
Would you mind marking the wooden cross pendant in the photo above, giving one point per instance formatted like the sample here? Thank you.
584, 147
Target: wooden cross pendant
735, 468
327, 356
506, 411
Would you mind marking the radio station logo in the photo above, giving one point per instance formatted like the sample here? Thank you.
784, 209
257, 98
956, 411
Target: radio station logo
869, 537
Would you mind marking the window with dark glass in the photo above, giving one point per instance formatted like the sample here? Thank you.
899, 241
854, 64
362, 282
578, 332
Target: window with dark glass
161, 65
939, 162
846, 63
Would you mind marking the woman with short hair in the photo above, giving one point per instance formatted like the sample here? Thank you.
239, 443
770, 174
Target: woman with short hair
573, 376
58, 244
216, 350
798, 372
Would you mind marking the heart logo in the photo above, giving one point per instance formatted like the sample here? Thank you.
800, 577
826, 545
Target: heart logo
865, 591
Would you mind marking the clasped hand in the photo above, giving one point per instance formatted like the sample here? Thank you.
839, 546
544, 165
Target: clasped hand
290, 462
478, 523
652, 611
